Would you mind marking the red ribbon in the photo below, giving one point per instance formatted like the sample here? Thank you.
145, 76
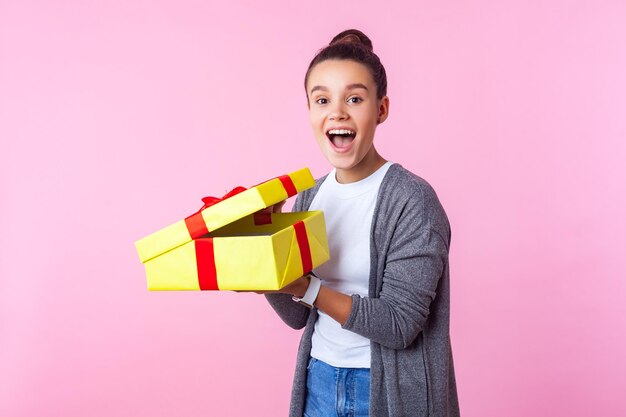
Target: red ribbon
305, 249
262, 218
205, 258
288, 184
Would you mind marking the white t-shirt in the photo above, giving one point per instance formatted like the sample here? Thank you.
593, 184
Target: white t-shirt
348, 211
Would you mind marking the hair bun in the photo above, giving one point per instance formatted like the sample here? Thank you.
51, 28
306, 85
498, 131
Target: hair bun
353, 36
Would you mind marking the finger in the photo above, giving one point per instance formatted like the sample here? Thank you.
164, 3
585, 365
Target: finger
278, 207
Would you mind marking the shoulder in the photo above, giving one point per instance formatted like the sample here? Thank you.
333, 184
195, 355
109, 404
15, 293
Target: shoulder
319, 182
401, 184
408, 194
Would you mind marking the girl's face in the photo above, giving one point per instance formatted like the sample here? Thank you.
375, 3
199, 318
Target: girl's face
344, 113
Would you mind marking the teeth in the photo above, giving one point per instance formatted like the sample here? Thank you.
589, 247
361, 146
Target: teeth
341, 132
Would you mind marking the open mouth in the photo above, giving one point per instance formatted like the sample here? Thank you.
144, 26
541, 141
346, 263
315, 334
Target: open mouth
341, 138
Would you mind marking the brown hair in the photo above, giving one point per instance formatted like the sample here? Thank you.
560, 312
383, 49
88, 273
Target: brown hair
353, 45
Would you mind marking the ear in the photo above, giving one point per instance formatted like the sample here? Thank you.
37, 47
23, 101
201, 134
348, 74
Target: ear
383, 109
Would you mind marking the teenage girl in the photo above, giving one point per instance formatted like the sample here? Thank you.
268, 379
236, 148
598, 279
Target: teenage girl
376, 316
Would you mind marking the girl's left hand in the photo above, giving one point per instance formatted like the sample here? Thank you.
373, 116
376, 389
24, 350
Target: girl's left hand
276, 208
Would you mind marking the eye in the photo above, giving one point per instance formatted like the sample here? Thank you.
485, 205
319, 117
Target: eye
355, 99
321, 100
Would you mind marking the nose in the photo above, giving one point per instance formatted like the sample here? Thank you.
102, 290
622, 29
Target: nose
337, 112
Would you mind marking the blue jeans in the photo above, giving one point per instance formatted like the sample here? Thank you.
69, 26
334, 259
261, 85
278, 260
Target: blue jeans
340, 392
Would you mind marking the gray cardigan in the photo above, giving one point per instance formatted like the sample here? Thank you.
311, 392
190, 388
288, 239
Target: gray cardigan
407, 313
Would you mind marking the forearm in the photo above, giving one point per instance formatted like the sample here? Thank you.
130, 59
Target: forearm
386, 321
337, 305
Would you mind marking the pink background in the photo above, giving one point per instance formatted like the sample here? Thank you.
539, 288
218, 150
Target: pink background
116, 117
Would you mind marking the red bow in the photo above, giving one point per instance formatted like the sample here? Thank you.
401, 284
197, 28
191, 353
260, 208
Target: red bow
209, 201
195, 222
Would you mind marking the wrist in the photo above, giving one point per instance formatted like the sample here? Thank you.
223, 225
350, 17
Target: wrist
310, 293
303, 285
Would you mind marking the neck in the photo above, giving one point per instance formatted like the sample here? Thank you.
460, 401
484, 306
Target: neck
370, 163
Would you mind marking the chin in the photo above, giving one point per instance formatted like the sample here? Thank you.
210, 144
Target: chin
341, 162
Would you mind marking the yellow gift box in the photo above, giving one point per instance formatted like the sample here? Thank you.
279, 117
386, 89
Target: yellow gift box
228, 245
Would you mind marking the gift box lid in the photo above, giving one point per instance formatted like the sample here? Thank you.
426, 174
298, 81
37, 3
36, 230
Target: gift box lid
218, 212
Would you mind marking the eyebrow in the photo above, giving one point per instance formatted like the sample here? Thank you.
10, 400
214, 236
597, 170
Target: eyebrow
348, 87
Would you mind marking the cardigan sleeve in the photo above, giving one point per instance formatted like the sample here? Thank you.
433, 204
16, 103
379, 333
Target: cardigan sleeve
293, 314
414, 263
